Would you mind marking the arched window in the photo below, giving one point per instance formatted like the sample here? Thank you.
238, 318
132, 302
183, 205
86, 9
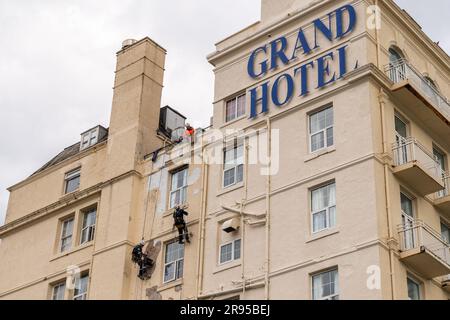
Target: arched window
397, 67
431, 90
395, 56
431, 83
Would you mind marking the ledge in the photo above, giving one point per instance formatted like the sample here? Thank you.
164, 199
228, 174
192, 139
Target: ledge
319, 153
171, 285
223, 191
227, 266
323, 234
72, 251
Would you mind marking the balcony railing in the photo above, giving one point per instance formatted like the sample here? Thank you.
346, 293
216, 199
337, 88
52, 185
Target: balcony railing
402, 70
446, 192
411, 150
418, 235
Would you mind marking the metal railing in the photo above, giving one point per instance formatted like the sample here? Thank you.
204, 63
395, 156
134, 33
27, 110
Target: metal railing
416, 234
411, 150
402, 70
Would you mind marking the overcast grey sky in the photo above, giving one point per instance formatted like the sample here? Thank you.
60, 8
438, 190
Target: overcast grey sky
57, 63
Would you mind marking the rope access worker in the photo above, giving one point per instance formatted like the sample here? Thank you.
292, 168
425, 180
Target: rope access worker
190, 133
141, 259
180, 224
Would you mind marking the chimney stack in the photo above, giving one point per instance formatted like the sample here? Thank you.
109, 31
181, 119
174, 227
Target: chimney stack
136, 104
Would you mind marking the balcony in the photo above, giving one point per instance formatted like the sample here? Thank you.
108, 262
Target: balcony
420, 97
417, 167
442, 198
424, 250
446, 283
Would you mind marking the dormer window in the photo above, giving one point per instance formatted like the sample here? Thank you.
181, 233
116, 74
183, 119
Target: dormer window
89, 138
92, 137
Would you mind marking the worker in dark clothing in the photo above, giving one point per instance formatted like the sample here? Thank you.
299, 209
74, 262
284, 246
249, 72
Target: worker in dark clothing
180, 224
141, 259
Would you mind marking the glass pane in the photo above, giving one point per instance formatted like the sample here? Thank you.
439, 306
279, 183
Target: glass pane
330, 137
169, 272
317, 141
66, 243
440, 158
413, 290
332, 211
319, 221
394, 56
445, 230
231, 110
72, 184
228, 178
325, 285
329, 117
241, 106
240, 174
407, 205
237, 249
226, 253
58, 292
401, 128
179, 272
81, 285
67, 228
240, 154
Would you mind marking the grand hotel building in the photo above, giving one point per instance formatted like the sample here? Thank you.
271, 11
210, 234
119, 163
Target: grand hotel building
353, 202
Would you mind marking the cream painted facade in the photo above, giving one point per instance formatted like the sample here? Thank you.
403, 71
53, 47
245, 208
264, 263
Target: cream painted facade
372, 246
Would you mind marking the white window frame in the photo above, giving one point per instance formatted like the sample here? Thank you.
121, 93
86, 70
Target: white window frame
182, 190
322, 131
82, 295
57, 287
235, 166
327, 209
337, 286
89, 138
416, 282
89, 229
71, 175
175, 262
62, 247
233, 251
235, 99
445, 225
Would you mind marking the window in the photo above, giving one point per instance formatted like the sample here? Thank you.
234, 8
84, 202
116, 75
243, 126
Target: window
440, 158
66, 234
397, 65
89, 138
321, 129
445, 231
59, 291
88, 229
413, 289
432, 86
174, 261
81, 288
401, 129
394, 56
230, 251
178, 194
323, 205
233, 165
72, 180
235, 108
325, 285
